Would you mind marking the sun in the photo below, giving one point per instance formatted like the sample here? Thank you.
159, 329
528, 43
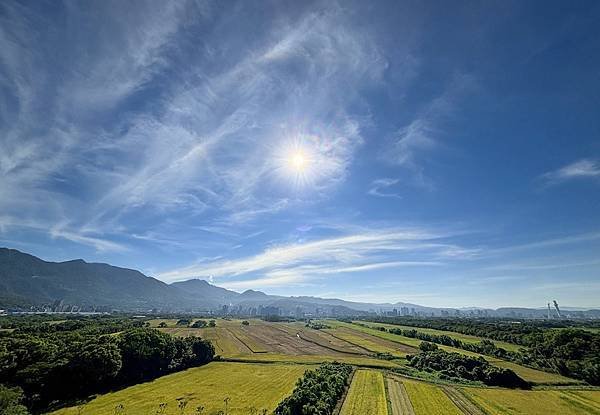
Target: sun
298, 161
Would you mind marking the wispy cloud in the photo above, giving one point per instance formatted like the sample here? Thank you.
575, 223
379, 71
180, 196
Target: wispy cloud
581, 169
146, 136
411, 142
379, 186
358, 252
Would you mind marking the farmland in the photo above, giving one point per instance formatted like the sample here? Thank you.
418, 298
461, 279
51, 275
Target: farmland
247, 386
429, 399
259, 363
543, 402
366, 395
459, 336
529, 374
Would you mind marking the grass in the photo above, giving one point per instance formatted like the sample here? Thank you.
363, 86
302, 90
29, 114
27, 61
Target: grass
258, 386
428, 399
366, 395
533, 375
466, 338
564, 402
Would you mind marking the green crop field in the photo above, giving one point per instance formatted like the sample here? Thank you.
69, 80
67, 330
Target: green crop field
429, 399
533, 375
366, 395
462, 337
259, 386
543, 402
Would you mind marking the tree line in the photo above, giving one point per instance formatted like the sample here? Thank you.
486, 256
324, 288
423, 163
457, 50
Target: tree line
456, 365
54, 366
318, 391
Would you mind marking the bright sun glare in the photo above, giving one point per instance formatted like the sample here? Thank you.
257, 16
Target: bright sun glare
298, 161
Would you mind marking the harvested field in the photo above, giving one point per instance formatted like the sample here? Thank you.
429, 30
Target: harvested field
370, 342
251, 342
462, 401
328, 341
398, 397
428, 399
313, 359
275, 339
542, 402
366, 395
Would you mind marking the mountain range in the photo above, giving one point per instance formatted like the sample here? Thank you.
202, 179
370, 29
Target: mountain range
30, 283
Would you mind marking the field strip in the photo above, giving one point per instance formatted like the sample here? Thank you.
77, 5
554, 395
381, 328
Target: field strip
246, 341
366, 395
462, 401
327, 346
398, 397
429, 399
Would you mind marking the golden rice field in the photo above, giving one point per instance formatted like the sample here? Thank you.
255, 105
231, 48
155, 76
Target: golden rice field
366, 395
428, 399
540, 402
258, 386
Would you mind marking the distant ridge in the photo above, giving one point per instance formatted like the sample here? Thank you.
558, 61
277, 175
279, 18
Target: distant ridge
27, 281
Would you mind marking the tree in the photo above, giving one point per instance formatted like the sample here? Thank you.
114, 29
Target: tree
147, 353
198, 324
10, 401
245, 323
212, 323
427, 347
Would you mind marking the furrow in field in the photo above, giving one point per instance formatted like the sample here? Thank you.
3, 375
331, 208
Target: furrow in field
399, 398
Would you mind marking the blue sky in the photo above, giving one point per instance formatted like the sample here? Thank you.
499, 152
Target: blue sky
372, 151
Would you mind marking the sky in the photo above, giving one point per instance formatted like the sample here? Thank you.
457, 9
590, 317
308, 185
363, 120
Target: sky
444, 154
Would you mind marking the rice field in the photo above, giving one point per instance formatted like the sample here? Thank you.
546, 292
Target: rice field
398, 397
248, 386
366, 395
466, 338
541, 402
428, 399
530, 375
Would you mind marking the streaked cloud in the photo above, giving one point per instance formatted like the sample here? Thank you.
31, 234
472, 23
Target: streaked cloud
366, 251
578, 170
